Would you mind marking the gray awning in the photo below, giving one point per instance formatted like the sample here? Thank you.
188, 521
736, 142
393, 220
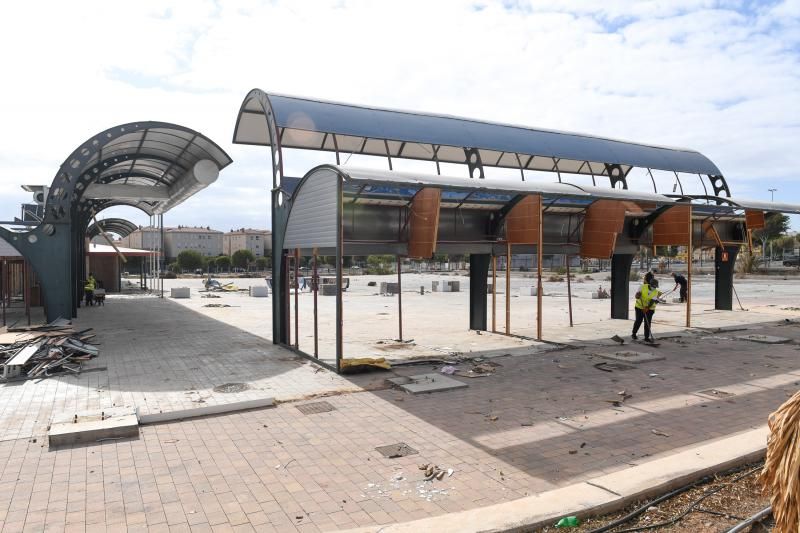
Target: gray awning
329, 126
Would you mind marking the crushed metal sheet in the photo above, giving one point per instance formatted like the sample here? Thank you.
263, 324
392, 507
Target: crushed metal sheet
392, 451
631, 356
611, 367
423, 383
764, 339
315, 408
231, 387
716, 393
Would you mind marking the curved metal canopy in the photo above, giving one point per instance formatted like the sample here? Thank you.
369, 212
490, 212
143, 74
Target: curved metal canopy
141, 163
119, 226
345, 128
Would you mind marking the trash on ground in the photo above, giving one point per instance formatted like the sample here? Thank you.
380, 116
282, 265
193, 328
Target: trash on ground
569, 521
659, 433
40, 351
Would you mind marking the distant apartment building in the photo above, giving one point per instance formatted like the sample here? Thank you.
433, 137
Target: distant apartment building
258, 241
144, 238
207, 241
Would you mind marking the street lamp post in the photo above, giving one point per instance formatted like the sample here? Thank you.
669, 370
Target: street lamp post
772, 194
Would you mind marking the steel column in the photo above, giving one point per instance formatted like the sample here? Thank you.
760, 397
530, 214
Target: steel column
508, 288
478, 273
620, 277
296, 298
689, 276
399, 298
314, 287
569, 291
723, 277
494, 293
539, 257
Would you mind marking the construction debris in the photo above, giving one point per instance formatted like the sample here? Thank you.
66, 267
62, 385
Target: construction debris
781, 474
40, 351
434, 472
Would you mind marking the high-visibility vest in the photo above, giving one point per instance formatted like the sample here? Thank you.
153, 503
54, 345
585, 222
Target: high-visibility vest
647, 296
90, 284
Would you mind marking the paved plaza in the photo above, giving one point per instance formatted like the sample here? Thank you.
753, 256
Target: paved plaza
547, 416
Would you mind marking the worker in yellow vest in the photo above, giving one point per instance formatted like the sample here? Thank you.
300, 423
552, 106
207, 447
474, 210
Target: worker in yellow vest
88, 289
645, 307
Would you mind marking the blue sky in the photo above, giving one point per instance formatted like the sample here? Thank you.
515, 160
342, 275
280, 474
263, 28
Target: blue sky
719, 77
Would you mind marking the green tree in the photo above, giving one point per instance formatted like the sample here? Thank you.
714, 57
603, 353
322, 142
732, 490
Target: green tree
190, 260
211, 264
223, 263
242, 258
173, 267
261, 264
380, 264
776, 225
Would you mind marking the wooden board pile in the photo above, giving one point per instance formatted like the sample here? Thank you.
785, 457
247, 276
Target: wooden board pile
41, 351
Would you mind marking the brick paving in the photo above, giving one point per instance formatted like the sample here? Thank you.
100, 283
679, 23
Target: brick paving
539, 422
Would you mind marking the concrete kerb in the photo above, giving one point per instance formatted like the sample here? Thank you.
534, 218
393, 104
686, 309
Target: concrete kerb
209, 410
598, 495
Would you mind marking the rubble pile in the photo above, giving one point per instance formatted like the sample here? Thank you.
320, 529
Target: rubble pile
45, 350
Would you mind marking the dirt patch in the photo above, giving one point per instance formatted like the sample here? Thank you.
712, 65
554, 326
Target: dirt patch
734, 500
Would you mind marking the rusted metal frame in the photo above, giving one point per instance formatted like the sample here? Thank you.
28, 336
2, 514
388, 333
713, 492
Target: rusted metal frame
400, 298
689, 280
508, 287
339, 266
539, 256
296, 298
494, 292
569, 290
288, 285
464, 200
315, 288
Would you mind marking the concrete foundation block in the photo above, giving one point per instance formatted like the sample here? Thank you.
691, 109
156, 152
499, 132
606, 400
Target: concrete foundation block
179, 292
259, 292
328, 290
389, 289
83, 428
423, 383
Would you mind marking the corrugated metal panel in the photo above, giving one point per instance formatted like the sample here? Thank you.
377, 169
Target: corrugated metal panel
522, 222
424, 223
672, 227
313, 219
6, 250
604, 220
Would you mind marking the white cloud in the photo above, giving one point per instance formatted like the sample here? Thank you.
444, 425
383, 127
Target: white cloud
719, 77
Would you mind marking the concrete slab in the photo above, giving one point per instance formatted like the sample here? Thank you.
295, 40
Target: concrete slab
184, 414
629, 356
423, 383
82, 428
764, 339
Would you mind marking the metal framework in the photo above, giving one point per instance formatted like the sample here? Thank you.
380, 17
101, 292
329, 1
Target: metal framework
118, 226
153, 166
339, 210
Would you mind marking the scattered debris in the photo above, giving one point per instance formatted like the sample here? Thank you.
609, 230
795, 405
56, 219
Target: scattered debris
211, 296
659, 433
448, 370
617, 338
434, 472
220, 305
40, 351
611, 367
231, 387
364, 364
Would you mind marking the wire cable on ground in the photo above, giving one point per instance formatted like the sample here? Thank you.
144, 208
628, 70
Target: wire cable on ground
630, 516
758, 517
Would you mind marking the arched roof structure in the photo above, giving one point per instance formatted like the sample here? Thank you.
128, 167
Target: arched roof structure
119, 226
153, 166
293, 122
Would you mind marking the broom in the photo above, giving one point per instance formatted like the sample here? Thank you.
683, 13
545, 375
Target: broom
781, 475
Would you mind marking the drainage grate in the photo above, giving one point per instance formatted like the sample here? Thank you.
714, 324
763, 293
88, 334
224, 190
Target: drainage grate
314, 408
231, 387
716, 393
401, 449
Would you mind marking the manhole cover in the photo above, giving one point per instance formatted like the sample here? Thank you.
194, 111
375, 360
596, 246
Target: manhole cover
716, 393
231, 387
315, 407
401, 449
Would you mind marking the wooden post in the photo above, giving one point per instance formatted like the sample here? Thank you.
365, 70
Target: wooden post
494, 293
315, 288
689, 277
539, 256
399, 298
508, 288
296, 297
569, 291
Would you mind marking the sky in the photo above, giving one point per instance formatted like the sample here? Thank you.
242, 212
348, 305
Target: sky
719, 77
